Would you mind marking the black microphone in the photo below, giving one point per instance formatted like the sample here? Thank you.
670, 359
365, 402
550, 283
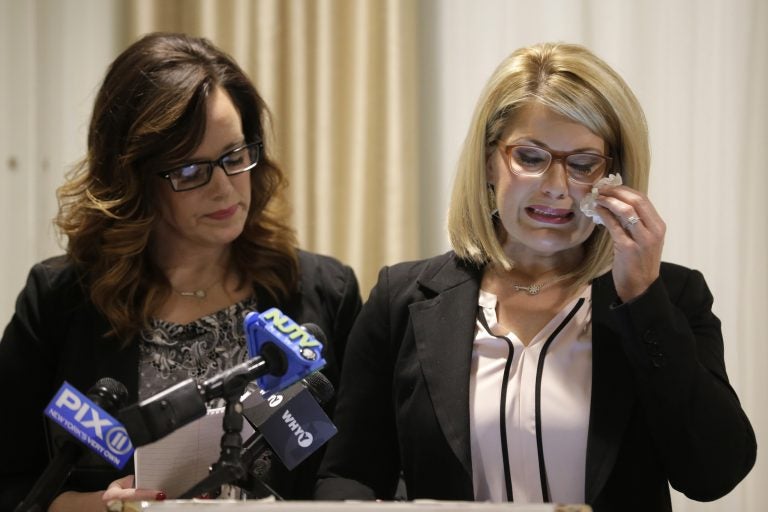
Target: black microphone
320, 387
171, 409
290, 424
108, 394
163, 413
318, 333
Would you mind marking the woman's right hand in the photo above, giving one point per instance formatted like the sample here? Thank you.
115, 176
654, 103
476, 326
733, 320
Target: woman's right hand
121, 489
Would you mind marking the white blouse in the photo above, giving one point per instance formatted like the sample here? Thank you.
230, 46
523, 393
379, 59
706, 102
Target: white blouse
563, 391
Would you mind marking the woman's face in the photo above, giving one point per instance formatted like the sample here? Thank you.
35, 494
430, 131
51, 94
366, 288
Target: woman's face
213, 215
540, 214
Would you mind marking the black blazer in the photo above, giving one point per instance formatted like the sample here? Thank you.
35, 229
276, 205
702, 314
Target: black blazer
662, 409
56, 334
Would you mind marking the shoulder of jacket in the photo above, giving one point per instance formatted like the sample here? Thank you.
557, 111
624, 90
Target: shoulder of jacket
309, 261
436, 274
325, 273
57, 273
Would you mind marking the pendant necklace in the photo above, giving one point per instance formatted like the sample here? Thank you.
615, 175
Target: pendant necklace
535, 288
200, 293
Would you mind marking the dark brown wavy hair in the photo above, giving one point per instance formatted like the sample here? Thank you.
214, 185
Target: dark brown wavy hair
150, 112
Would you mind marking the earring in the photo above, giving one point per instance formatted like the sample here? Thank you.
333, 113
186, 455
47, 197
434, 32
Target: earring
492, 200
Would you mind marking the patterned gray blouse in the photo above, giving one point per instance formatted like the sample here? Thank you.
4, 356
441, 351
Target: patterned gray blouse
171, 353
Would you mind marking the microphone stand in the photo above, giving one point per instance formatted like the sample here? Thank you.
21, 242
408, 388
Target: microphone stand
229, 468
254, 486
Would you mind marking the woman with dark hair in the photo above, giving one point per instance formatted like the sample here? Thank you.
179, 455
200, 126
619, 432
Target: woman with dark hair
176, 228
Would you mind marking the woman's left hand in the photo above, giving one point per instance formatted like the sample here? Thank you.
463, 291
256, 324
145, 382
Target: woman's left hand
121, 489
638, 233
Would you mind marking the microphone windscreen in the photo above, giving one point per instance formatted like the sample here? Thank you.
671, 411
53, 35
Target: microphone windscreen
320, 387
109, 393
315, 331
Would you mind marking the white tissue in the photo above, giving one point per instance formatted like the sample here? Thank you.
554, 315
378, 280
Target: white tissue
588, 203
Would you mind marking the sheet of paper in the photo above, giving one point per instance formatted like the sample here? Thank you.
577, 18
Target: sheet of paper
181, 459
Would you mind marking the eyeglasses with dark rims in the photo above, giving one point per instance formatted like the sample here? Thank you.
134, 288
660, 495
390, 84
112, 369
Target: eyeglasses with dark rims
197, 174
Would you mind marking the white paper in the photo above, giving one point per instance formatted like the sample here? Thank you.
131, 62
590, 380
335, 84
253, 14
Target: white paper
175, 463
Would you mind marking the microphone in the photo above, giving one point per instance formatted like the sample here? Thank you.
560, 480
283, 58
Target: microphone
319, 385
163, 413
88, 420
291, 424
235, 463
281, 354
265, 414
317, 332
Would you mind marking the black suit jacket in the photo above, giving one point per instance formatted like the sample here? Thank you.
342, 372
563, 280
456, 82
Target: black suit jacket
662, 409
56, 334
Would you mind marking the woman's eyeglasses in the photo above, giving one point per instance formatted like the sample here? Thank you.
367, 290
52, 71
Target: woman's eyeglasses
581, 168
197, 174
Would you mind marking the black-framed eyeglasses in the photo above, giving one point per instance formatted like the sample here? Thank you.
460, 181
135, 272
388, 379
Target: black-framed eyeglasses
197, 174
581, 168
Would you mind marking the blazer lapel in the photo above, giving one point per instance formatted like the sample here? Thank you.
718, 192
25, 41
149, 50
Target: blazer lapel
612, 395
444, 328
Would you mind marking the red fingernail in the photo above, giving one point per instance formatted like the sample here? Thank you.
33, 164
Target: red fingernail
160, 496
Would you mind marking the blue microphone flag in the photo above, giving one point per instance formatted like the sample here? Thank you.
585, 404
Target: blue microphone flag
91, 425
274, 334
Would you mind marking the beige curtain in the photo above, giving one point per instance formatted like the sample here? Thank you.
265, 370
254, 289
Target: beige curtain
340, 78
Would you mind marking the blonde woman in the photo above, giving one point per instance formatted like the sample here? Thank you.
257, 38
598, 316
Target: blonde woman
546, 358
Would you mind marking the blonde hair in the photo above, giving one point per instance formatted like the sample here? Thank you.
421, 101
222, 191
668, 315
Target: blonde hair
572, 81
